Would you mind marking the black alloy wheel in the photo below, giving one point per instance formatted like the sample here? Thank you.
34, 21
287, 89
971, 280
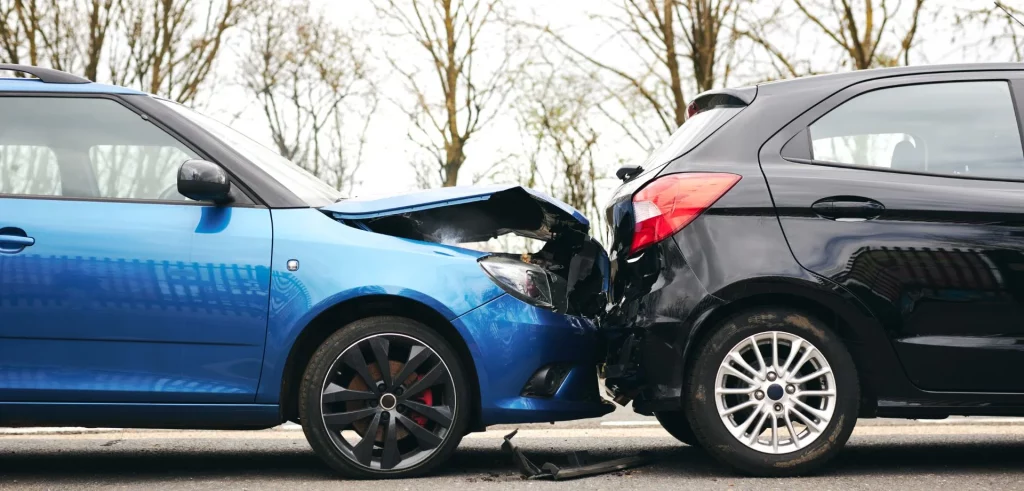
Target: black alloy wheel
401, 421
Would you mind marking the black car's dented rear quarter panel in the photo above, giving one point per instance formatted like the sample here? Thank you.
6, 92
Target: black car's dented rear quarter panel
675, 292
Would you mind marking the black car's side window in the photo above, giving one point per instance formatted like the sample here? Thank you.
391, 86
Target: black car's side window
85, 148
954, 128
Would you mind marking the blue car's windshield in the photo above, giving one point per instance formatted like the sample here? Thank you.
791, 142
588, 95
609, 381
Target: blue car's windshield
299, 181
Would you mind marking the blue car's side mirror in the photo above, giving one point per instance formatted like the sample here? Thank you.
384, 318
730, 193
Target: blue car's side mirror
201, 180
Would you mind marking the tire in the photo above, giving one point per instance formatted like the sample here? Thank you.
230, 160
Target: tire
828, 419
416, 422
675, 424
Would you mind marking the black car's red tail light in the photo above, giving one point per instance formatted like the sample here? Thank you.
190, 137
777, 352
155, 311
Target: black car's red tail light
667, 204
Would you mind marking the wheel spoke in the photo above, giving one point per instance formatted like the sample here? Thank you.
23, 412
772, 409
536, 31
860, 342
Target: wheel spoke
390, 458
738, 374
775, 352
760, 359
363, 450
740, 407
432, 378
441, 415
792, 354
741, 429
820, 372
336, 393
736, 358
803, 360
756, 432
817, 413
354, 359
380, 346
424, 438
806, 421
417, 355
343, 419
775, 433
728, 391
815, 393
792, 431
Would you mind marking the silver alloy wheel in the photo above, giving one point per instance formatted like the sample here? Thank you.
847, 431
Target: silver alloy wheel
393, 419
775, 392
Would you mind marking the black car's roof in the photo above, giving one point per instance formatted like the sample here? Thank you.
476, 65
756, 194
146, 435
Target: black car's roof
847, 78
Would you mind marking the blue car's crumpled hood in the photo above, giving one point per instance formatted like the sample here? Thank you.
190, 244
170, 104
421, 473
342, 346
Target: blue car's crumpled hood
468, 213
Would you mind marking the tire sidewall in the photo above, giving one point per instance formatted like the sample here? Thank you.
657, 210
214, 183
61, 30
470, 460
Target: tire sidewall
676, 424
314, 379
702, 410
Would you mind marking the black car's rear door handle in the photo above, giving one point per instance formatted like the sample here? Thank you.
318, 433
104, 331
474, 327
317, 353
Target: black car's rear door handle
848, 208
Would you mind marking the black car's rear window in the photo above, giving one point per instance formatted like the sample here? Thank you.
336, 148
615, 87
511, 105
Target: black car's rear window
694, 131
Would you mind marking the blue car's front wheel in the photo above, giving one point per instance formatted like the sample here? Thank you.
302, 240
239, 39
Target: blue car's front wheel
384, 397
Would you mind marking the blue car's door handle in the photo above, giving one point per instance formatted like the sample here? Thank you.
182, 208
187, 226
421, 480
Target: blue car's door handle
14, 240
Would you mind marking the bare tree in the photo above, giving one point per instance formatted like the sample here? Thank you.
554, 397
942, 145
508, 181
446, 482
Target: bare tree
999, 19
67, 35
167, 47
11, 37
861, 29
554, 114
680, 45
464, 84
311, 80
100, 15
172, 46
762, 28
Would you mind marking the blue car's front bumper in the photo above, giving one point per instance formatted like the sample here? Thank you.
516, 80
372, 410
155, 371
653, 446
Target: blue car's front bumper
510, 340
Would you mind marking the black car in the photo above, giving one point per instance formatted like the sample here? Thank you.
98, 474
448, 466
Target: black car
804, 253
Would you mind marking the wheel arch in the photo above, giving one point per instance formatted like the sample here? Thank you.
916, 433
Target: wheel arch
347, 311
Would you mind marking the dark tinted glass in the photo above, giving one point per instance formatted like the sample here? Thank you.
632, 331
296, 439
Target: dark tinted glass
957, 128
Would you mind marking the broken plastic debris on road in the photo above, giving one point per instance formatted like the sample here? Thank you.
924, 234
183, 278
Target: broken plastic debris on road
579, 463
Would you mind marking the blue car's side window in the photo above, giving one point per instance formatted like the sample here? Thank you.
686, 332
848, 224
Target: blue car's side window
86, 148
113, 286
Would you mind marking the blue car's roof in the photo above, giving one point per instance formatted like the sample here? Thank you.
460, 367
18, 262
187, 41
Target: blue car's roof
363, 208
34, 85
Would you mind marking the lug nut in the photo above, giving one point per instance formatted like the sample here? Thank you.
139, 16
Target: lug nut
772, 376
790, 389
399, 391
385, 415
381, 387
759, 395
778, 407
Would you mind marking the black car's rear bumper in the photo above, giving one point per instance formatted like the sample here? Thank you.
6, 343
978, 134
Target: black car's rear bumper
649, 331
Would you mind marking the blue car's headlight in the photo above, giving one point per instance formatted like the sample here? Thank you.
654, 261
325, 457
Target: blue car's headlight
524, 281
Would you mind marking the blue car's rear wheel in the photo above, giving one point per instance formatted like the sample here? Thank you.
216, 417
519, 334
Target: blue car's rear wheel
370, 422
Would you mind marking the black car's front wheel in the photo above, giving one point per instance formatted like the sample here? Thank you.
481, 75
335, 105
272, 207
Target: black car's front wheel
774, 392
384, 397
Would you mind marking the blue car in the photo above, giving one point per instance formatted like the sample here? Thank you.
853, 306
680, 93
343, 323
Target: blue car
159, 269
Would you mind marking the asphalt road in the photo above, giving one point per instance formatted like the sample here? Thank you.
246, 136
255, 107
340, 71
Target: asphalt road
883, 454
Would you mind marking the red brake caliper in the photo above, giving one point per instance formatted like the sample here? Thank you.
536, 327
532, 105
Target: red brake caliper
427, 399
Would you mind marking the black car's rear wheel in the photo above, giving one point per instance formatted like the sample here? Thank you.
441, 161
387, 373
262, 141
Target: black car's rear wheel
675, 424
774, 392
384, 397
